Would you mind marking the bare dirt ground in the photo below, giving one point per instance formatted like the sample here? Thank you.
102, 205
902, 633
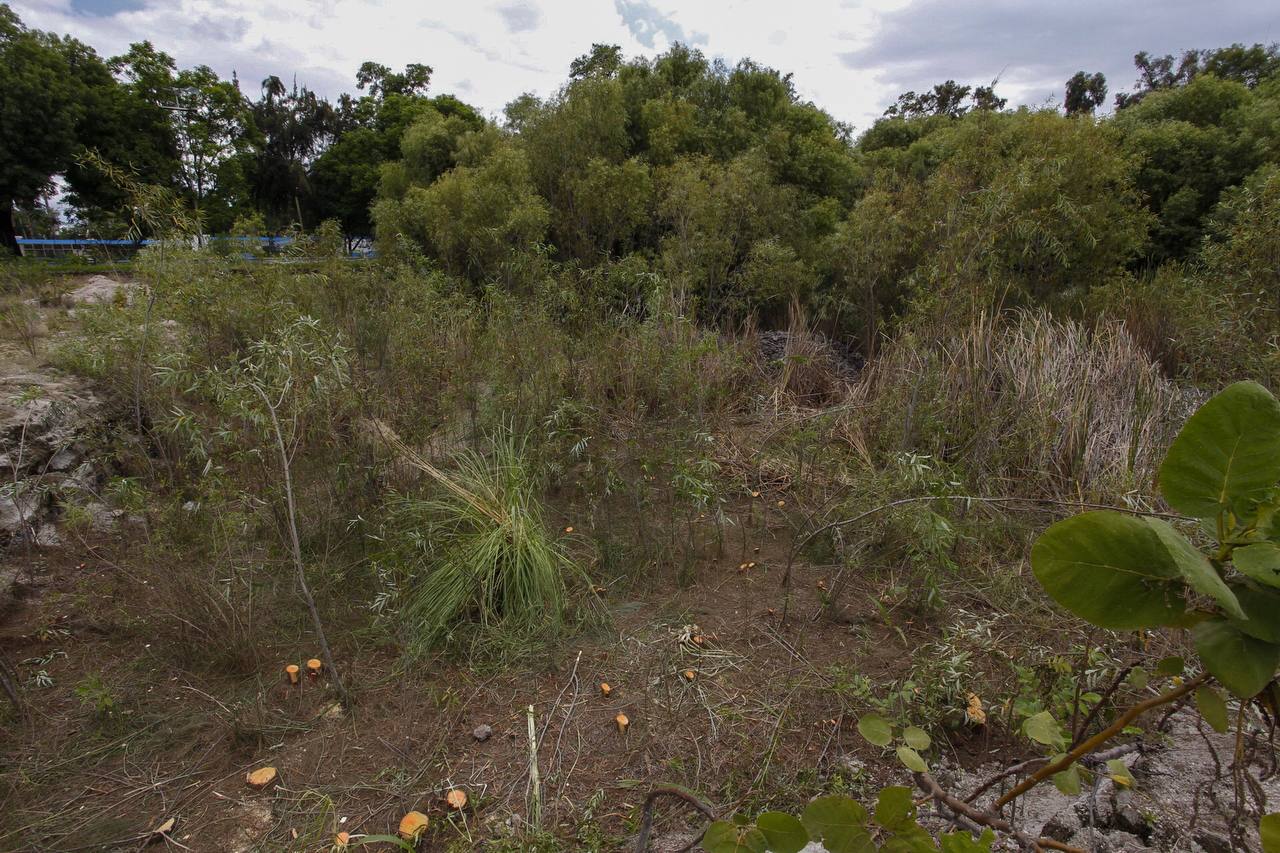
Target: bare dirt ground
757, 711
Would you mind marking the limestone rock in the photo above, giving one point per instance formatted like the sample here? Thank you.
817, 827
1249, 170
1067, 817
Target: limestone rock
100, 290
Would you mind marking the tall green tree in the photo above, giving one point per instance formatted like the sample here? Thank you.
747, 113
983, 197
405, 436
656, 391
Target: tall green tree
209, 125
475, 218
346, 175
212, 124
1248, 66
1190, 143
124, 122
603, 61
294, 125
41, 105
1085, 93
946, 99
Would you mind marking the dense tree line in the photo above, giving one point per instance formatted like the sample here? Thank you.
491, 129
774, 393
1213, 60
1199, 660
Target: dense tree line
283, 157
721, 183
717, 181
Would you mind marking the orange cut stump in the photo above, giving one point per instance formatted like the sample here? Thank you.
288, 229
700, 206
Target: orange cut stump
262, 778
412, 826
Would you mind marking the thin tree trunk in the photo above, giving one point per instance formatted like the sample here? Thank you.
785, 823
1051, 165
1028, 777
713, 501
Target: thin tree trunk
8, 234
9, 682
140, 366
296, 549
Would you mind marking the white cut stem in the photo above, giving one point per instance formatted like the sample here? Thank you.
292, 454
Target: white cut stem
535, 783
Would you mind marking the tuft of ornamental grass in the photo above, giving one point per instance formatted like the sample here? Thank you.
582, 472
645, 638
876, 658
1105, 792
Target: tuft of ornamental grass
488, 562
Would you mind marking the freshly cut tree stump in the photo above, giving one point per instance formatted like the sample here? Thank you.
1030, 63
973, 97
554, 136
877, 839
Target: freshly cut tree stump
262, 778
412, 826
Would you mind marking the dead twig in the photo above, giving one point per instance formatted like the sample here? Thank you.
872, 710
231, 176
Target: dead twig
969, 812
646, 813
1100, 738
1022, 766
1077, 733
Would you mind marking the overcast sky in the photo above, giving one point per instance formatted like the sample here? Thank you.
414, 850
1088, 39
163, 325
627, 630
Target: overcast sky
851, 57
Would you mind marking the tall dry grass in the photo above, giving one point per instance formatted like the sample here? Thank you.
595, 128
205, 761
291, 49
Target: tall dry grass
1027, 402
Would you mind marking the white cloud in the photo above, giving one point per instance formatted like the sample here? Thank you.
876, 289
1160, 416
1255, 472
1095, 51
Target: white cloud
851, 57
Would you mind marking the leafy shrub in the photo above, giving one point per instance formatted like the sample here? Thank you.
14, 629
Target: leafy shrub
841, 826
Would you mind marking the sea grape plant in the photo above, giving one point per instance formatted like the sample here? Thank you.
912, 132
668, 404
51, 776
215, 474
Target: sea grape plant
1124, 572
840, 825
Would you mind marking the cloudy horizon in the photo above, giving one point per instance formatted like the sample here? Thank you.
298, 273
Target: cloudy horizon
850, 57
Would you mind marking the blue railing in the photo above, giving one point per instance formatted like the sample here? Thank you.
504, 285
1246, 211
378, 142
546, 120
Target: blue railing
53, 247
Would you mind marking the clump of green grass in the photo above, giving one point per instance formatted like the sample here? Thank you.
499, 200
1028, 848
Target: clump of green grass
486, 560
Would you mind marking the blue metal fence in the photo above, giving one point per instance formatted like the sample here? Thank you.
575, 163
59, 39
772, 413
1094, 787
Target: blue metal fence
60, 247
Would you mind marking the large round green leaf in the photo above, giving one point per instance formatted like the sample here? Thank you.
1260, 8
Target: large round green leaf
725, 837
1227, 452
1242, 663
782, 832
908, 838
1111, 570
1195, 567
1262, 612
1269, 829
912, 760
895, 808
1260, 561
916, 737
876, 729
1213, 707
1067, 781
839, 823
1043, 728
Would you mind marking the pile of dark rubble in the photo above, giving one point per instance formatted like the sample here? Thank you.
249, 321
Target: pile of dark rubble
776, 347
46, 422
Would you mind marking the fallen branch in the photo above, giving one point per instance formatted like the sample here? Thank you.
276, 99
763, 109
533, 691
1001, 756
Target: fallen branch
972, 813
1116, 727
646, 818
1106, 755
